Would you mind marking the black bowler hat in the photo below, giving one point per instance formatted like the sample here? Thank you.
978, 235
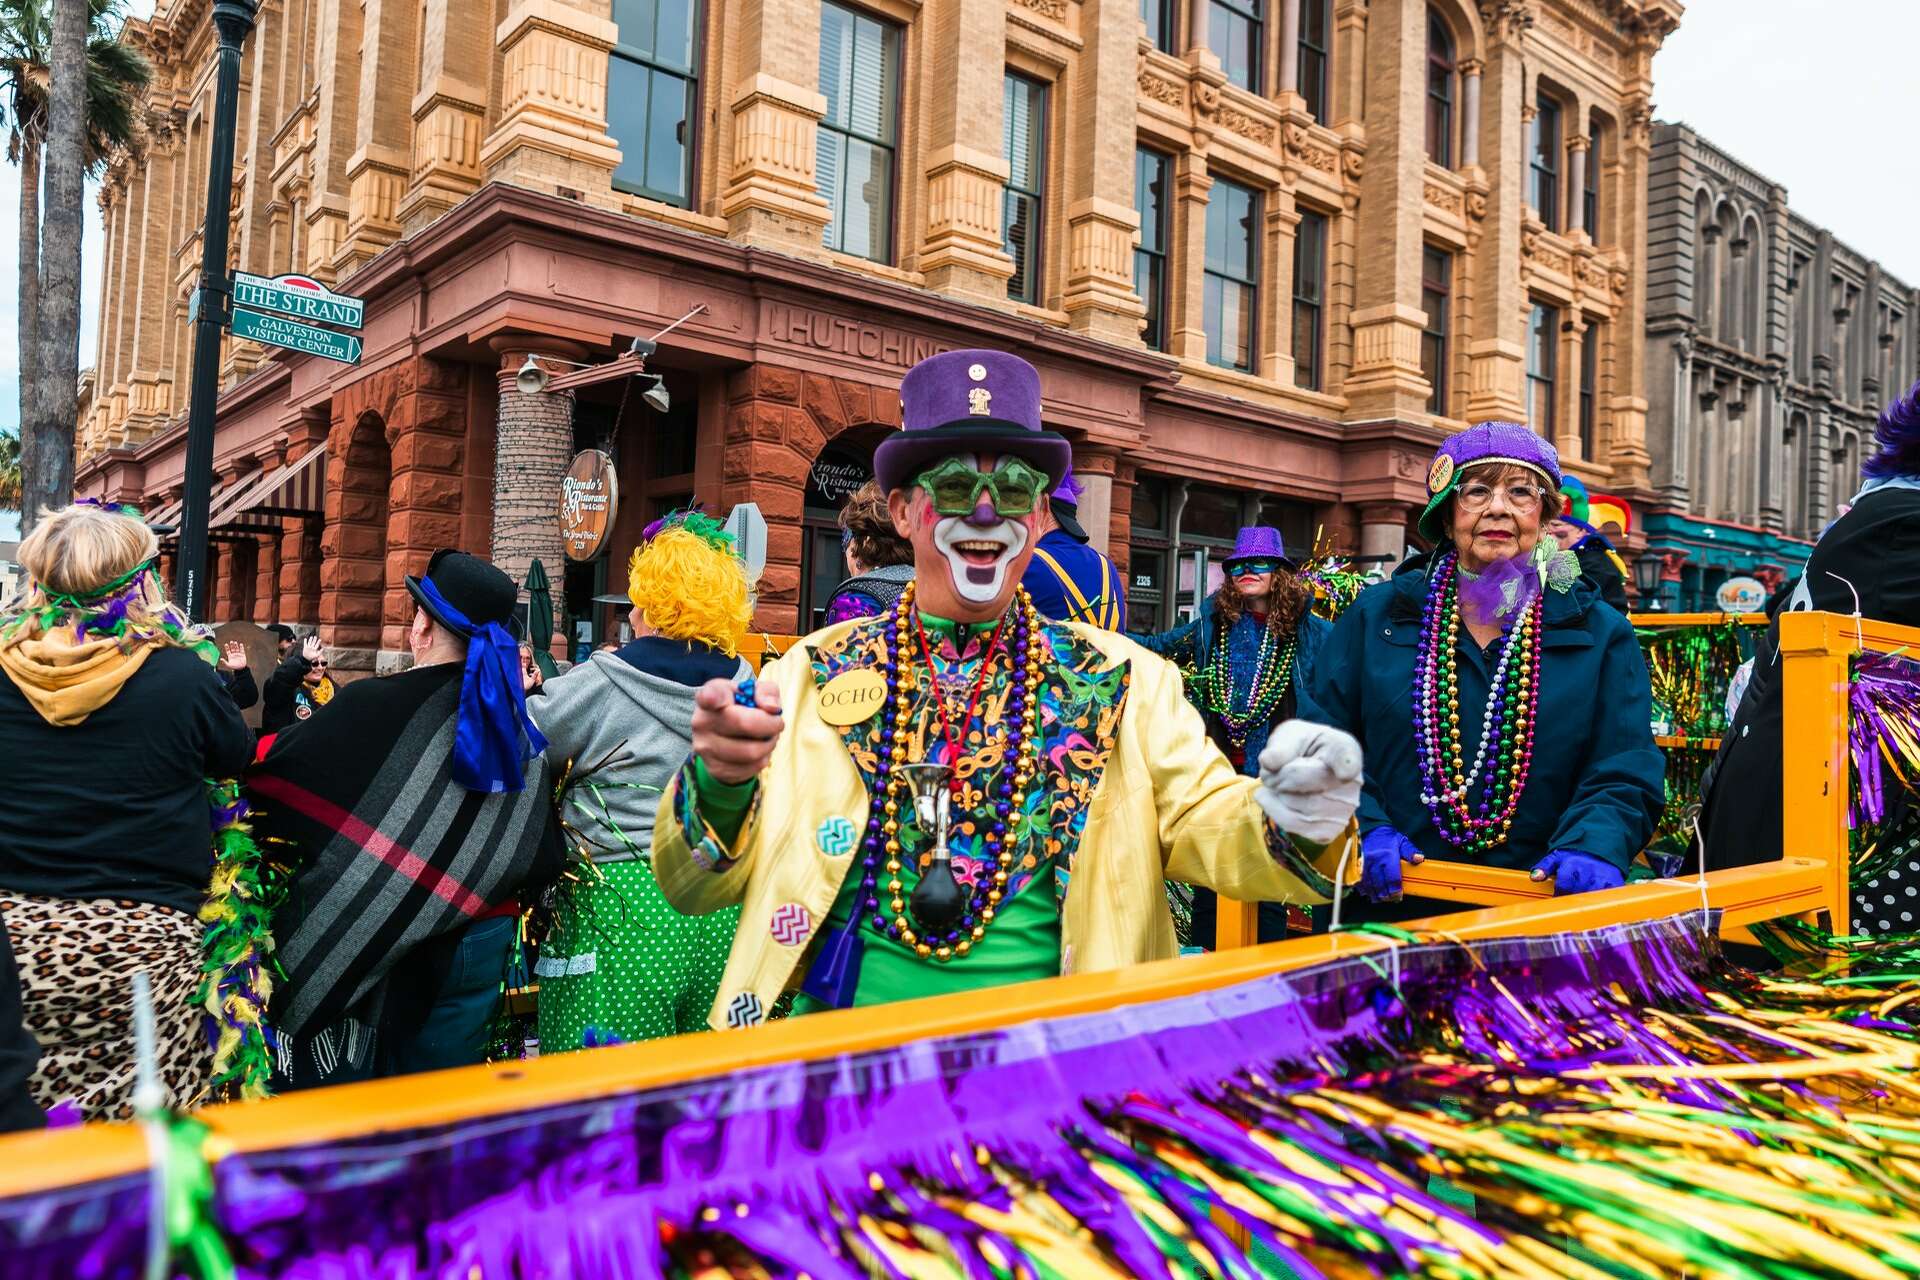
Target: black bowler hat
469, 585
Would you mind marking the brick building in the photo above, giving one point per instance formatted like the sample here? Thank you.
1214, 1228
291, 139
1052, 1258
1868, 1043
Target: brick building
1264, 252
1771, 347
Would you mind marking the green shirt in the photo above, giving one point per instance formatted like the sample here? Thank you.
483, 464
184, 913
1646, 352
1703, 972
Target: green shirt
1022, 943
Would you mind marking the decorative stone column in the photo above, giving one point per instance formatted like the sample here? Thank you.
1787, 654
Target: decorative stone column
1094, 467
532, 447
1497, 355
1577, 185
1098, 296
771, 197
1383, 530
966, 170
1470, 112
1187, 326
1627, 439
1386, 380
449, 111
1567, 412
1198, 37
552, 133
1289, 47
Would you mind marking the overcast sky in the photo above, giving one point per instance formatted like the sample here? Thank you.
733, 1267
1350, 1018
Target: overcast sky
1820, 98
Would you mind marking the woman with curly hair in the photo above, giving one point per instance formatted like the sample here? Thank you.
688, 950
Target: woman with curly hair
621, 964
879, 560
1248, 654
112, 717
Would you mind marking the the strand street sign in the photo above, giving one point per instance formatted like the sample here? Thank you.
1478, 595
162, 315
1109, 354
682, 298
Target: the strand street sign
280, 331
301, 297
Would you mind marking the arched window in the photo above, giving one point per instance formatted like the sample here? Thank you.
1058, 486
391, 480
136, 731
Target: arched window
1441, 67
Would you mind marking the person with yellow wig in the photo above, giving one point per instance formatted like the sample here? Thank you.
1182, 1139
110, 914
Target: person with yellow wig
620, 963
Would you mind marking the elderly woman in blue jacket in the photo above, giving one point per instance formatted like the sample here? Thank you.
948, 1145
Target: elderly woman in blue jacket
1504, 715
1250, 653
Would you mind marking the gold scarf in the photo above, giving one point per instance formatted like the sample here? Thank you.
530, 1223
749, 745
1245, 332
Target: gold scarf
321, 694
66, 680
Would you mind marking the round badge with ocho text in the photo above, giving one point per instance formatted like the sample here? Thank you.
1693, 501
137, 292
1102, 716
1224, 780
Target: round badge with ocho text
852, 696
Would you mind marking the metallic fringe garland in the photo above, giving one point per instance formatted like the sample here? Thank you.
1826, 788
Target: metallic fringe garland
1690, 669
1613, 1104
237, 974
1883, 732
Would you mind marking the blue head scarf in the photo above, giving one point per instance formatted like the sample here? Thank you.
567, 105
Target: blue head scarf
494, 739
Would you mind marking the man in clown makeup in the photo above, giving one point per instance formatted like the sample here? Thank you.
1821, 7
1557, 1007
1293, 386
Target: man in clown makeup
1062, 764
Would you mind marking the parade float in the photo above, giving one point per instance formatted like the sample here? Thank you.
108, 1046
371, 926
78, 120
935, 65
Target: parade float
1533, 1086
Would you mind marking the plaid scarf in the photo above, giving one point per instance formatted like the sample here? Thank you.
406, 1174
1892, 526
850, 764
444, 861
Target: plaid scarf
388, 852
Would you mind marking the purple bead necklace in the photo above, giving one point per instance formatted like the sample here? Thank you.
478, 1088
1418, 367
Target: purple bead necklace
1506, 726
880, 850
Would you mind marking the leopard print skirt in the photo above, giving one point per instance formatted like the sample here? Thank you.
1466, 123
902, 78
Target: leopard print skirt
77, 959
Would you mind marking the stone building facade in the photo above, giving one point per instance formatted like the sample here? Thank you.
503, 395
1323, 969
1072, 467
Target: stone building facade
1771, 348
1265, 253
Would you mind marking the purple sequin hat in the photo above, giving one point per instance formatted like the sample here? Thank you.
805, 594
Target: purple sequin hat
969, 402
1484, 443
1259, 542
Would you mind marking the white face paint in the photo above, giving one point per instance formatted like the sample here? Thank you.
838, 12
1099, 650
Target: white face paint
978, 579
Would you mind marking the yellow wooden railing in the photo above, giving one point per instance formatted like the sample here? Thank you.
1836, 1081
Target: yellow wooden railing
39, 1161
1815, 650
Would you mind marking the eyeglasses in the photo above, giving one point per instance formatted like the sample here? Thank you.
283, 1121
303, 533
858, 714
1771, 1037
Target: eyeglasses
954, 487
317, 666
1520, 497
1242, 568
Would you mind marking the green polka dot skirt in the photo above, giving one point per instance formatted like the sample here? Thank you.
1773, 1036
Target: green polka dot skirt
623, 963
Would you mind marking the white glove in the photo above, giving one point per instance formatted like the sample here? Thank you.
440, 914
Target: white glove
1310, 780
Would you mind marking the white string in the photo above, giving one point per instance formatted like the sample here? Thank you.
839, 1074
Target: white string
1340, 885
1859, 637
149, 1106
1700, 842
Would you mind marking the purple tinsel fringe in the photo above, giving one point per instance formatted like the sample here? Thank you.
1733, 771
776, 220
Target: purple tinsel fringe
577, 1191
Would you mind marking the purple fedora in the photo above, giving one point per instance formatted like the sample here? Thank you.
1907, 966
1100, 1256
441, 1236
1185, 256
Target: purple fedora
1484, 444
969, 402
1259, 542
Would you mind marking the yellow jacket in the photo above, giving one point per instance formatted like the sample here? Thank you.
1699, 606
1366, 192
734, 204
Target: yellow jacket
1168, 807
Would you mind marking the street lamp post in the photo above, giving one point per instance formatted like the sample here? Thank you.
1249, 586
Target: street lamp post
232, 20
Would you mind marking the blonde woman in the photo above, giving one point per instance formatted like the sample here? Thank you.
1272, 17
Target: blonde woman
622, 964
112, 716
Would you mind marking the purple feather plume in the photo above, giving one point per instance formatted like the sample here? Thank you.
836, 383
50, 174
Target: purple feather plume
1897, 438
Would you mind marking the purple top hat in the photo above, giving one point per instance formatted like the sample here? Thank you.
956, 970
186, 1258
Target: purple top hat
1258, 542
969, 402
1484, 444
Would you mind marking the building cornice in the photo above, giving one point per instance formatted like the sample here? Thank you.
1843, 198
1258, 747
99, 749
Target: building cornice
498, 213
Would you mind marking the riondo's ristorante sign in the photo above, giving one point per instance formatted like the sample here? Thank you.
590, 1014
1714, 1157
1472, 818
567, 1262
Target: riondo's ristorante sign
589, 500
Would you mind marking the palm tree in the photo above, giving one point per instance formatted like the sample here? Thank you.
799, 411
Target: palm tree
32, 80
9, 471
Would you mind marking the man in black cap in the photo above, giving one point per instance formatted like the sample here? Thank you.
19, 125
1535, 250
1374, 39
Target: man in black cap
419, 808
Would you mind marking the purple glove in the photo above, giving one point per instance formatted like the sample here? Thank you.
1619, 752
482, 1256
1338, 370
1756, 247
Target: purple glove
1575, 872
1382, 850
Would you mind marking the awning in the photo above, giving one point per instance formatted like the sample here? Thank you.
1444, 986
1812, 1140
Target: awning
165, 516
259, 503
